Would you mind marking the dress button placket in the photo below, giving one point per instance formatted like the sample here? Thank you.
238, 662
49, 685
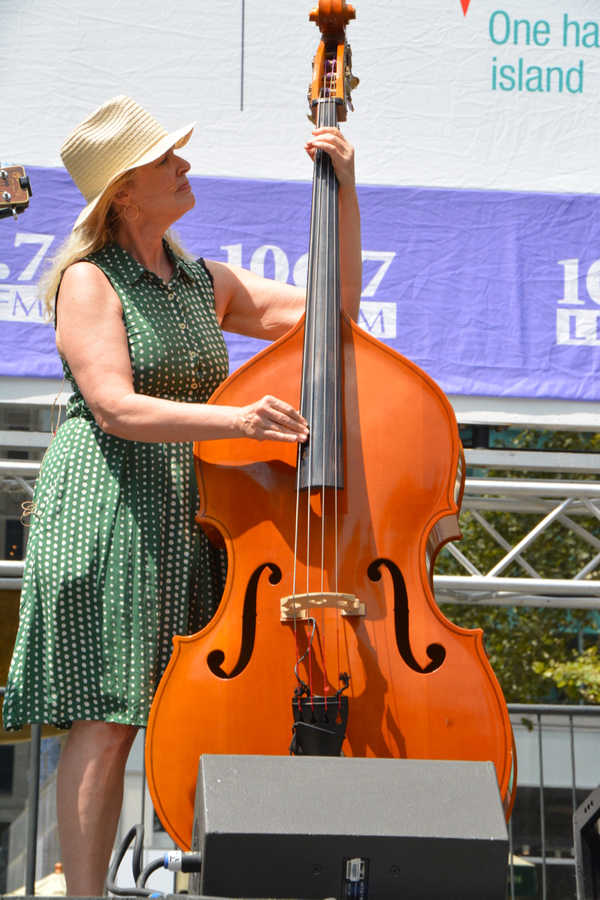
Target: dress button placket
179, 307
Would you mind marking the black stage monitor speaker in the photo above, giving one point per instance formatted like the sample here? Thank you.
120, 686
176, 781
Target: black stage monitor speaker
586, 823
351, 829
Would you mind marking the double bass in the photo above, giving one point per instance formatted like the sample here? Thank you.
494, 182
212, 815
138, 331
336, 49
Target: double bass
328, 639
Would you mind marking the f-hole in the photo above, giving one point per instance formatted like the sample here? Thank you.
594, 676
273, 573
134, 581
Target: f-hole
216, 658
435, 652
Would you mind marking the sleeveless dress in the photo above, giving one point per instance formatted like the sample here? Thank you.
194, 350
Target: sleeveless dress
116, 564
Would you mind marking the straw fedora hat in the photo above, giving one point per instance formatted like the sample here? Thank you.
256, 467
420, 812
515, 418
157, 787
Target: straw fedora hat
118, 136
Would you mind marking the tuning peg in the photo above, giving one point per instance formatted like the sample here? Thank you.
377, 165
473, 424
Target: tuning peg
336, 14
25, 184
311, 115
11, 211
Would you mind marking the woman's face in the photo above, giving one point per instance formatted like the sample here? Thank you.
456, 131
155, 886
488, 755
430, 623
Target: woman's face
161, 190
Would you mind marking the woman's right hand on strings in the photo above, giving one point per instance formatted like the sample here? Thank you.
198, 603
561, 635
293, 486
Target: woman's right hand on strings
271, 419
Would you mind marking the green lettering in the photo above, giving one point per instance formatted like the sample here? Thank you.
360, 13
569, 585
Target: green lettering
566, 26
495, 39
541, 28
527, 30
590, 35
507, 72
549, 72
534, 82
578, 75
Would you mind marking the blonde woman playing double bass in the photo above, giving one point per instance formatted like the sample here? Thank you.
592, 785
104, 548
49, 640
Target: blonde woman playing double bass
115, 564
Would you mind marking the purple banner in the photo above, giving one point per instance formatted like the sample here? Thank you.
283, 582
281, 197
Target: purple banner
492, 293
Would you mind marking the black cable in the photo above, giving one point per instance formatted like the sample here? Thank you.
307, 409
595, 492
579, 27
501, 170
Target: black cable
174, 861
138, 850
145, 875
137, 832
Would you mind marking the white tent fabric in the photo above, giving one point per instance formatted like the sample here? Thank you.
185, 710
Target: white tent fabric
427, 112
488, 278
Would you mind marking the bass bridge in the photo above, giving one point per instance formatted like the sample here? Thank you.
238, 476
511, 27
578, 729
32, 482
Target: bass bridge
303, 606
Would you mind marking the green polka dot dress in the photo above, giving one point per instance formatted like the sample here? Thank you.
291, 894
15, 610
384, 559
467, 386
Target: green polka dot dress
116, 564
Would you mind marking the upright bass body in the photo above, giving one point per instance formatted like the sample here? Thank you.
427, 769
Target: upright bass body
328, 607
420, 687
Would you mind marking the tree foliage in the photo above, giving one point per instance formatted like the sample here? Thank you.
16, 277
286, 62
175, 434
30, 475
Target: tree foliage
538, 654
577, 678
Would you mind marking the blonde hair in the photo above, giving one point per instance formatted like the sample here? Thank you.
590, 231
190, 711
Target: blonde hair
94, 233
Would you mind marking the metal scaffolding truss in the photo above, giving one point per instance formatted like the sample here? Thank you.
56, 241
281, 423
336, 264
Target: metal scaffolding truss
564, 502
18, 476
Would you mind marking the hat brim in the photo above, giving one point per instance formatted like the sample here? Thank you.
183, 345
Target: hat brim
175, 139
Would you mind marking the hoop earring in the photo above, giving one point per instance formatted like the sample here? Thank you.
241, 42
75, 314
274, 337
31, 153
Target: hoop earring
131, 218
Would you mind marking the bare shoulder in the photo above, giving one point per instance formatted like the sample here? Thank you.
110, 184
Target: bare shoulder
86, 282
228, 283
87, 303
225, 283
219, 270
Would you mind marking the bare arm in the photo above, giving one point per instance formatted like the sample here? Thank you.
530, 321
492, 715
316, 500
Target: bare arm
91, 337
258, 307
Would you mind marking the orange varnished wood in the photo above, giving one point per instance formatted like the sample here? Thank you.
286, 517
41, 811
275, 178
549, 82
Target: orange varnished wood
229, 688
331, 17
401, 450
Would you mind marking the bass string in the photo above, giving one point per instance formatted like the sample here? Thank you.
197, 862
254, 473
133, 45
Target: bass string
328, 186
308, 345
324, 186
319, 166
295, 564
308, 405
327, 217
333, 258
336, 436
331, 225
336, 373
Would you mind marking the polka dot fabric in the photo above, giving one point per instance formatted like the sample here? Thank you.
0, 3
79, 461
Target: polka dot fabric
116, 564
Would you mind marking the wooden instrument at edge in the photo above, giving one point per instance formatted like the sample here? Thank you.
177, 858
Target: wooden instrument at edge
328, 630
15, 190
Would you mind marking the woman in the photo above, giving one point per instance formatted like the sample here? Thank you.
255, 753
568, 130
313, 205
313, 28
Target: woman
115, 565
